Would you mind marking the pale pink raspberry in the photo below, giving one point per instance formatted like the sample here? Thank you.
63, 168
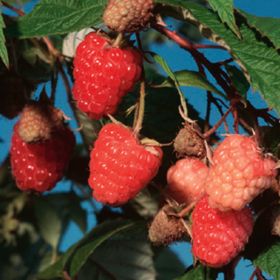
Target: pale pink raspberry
186, 180
238, 173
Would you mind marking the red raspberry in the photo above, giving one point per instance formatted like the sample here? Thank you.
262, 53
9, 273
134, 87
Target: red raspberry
217, 237
186, 180
39, 166
103, 74
238, 174
120, 166
128, 15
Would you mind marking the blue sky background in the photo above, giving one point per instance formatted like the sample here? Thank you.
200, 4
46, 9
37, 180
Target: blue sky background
196, 97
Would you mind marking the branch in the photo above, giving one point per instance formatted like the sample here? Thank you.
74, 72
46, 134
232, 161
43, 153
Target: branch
217, 125
14, 9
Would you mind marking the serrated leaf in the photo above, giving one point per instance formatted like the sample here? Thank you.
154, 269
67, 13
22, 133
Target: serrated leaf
49, 222
50, 17
239, 79
261, 61
83, 253
191, 79
267, 26
3, 49
224, 8
269, 260
126, 256
199, 273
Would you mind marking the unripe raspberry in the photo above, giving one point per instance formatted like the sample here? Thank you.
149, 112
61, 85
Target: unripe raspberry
166, 228
238, 173
120, 166
218, 237
189, 143
128, 15
186, 180
38, 121
103, 74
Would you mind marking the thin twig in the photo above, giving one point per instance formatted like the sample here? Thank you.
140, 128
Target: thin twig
141, 109
14, 9
217, 125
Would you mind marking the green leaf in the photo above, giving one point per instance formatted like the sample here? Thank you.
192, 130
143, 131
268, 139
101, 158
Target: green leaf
161, 61
168, 265
239, 80
191, 79
199, 273
269, 260
83, 253
50, 17
126, 256
224, 8
49, 223
261, 61
63, 262
68, 206
145, 204
3, 49
267, 26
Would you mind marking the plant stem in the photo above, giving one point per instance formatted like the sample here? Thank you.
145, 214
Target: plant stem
14, 9
141, 109
217, 125
215, 70
118, 40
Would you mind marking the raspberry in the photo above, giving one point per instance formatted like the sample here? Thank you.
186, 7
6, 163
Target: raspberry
39, 166
165, 228
128, 15
120, 166
238, 174
38, 121
189, 143
217, 237
15, 92
186, 180
103, 74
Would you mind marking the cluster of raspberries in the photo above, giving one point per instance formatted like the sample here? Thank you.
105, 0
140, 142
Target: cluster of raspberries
121, 166
221, 222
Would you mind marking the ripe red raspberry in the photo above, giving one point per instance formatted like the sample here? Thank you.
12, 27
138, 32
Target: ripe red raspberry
238, 174
39, 166
186, 180
120, 166
128, 15
217, 237
38, 121
103, 74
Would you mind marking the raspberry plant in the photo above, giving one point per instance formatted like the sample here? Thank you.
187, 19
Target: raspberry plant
178, 170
